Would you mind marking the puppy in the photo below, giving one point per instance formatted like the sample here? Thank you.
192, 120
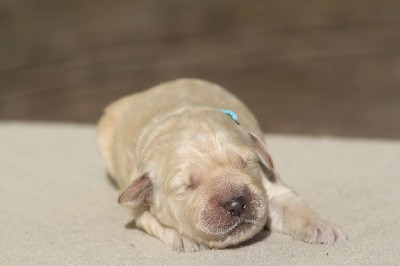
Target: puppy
188, 158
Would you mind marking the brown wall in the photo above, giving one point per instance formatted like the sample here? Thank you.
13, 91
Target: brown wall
308, 67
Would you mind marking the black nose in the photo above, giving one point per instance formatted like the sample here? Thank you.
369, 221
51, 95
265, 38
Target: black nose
235, 206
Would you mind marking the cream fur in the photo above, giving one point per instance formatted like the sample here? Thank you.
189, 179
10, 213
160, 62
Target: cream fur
190, 157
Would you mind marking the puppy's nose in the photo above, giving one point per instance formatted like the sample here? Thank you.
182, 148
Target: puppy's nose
235, 206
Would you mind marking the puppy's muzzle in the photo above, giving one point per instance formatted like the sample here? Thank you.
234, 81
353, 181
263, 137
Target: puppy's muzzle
232, 211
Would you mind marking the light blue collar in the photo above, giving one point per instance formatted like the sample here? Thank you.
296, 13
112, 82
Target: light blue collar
231, 114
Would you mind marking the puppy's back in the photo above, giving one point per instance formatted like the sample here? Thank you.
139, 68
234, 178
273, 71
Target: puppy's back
123, 120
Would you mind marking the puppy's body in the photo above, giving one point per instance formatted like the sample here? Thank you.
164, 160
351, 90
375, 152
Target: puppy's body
193, 176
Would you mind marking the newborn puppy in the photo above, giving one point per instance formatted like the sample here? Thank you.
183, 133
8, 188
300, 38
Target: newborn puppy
188, 158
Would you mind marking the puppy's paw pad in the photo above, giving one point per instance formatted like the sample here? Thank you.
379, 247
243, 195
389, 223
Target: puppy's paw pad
184, 244
323, 231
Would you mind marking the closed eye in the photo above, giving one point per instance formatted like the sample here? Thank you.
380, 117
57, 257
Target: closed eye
194, 182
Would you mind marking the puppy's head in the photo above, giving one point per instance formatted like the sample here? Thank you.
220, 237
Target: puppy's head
206, 180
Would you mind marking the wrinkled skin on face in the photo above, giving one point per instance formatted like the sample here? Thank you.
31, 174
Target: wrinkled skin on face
204, 175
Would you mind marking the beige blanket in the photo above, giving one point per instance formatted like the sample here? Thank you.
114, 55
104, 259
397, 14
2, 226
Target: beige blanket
57, 207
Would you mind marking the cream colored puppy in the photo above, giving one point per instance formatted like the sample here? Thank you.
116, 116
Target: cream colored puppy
197, 176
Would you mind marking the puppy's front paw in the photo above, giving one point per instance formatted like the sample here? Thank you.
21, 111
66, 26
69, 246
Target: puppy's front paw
321, 231
184, 244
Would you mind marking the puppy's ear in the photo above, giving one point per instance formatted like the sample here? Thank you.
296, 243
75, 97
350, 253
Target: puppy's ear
138, 192
262, 151
265, 162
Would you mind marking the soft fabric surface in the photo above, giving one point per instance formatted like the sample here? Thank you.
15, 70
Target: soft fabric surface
58, 207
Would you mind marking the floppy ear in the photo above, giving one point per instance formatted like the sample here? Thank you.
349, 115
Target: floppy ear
262, 151
138, 192
266, 163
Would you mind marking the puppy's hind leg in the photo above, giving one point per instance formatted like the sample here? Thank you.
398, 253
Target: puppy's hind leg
168, 235
290, 214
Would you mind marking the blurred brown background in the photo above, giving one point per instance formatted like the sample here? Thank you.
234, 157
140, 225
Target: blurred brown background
307, 67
